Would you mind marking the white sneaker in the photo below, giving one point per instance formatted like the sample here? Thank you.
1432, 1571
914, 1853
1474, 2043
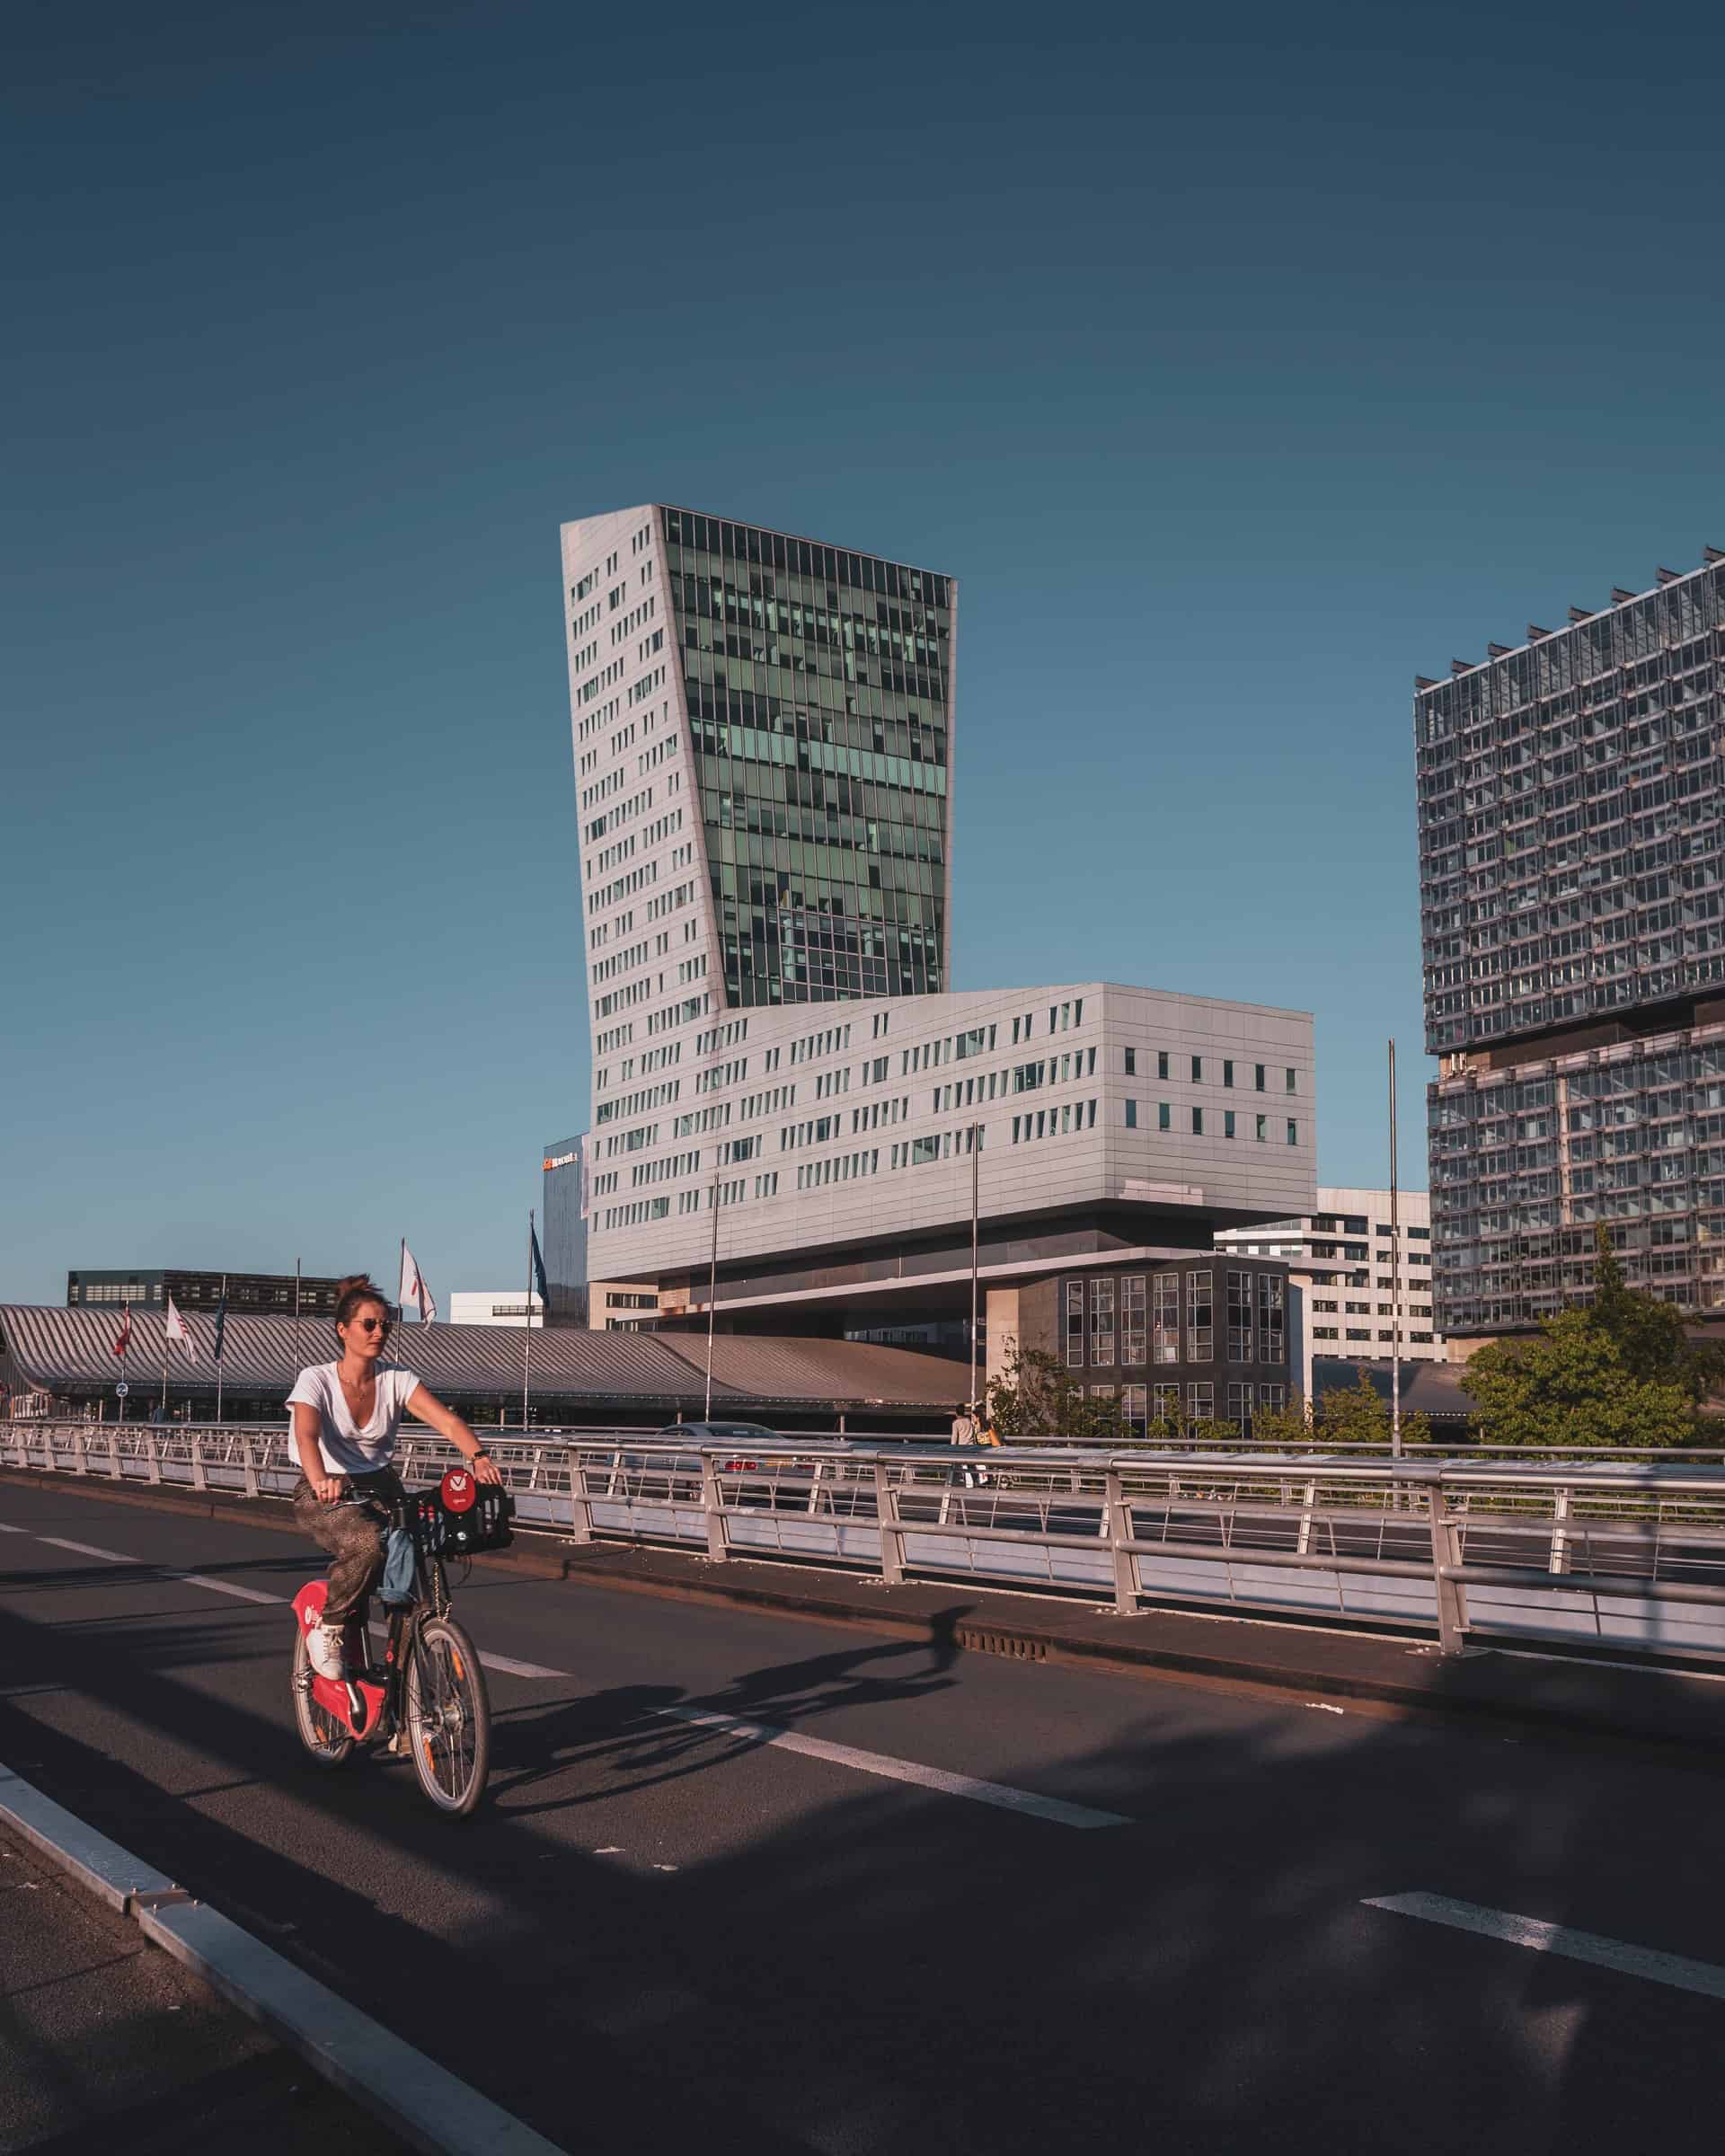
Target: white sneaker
323, 1651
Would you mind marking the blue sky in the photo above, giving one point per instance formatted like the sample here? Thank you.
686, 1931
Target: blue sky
1237, 377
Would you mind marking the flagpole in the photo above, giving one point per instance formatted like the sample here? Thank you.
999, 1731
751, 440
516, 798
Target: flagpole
526, 1345
221, 1343
295, 1318
165, 1359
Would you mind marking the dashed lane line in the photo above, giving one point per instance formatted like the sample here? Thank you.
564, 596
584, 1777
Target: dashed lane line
996, 1793
1646, 1962
506, 1664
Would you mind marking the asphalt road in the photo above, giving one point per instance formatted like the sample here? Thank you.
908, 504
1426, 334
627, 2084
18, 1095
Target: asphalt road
662, 1932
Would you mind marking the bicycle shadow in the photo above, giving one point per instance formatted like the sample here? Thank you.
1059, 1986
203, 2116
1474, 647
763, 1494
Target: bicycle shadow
633, 1723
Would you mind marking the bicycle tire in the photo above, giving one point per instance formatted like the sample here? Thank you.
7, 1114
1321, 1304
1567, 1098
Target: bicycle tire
448, 1716
326, 1741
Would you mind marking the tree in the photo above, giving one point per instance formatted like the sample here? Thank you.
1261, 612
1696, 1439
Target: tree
1575, 1385
1649, 1333
1359, 1414
1035, 1396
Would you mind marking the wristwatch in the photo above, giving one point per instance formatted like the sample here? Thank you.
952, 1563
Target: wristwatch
479, 1454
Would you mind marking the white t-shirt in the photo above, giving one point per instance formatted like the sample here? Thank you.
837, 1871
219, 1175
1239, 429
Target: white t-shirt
347, 1450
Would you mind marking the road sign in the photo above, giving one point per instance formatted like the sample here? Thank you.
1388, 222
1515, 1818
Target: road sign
122, 1389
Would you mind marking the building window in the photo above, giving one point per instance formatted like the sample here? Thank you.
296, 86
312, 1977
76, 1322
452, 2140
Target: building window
1131, 1115
1258, 1076
1227, 1073
1102, 1324
1264, 1129
1293, 1132
1131, 1062
1200, 1315
1164, 1404
1198, 1070
1227, 1122
1240, 1407
1165, 1339
1272, 1318
1240, 1327
1075, 1324
1198, 1122
1132, 1408
1132, 1355
1200, 1400
1164, 1115
1162, 1063
1292, 1086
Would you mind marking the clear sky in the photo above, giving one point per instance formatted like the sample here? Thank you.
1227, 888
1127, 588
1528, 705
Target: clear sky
1238, 373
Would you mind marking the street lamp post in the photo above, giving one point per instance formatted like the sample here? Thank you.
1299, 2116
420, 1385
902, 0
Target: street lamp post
713, 1292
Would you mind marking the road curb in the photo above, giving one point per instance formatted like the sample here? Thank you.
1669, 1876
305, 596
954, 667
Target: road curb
415, 2097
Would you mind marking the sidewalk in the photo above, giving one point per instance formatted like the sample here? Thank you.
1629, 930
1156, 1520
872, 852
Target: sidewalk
1553, 1688
106, 2043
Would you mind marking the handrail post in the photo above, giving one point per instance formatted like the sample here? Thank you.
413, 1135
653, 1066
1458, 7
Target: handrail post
250, 1467
113, 1451
1117, 1517
713, 1503
814, 1489
1302, 1546
82, 1449
892, 1532
155, 1457
1560, 1540
199, 1477
580, 1506
1447, 1550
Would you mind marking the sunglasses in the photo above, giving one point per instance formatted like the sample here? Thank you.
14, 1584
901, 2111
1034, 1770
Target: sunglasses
373, 1324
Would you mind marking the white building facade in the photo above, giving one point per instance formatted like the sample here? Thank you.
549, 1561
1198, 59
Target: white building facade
790, 1102
1341, 1258
495, 1306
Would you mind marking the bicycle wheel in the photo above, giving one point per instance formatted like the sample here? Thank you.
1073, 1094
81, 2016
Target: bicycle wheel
326, 1739
448, 1716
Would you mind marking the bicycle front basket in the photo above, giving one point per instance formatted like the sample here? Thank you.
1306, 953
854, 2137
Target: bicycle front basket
484, 1525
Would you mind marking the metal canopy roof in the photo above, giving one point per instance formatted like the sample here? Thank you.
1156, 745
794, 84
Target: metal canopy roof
57, 1350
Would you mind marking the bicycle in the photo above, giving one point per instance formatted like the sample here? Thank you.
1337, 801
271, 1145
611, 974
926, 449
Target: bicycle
426, 1697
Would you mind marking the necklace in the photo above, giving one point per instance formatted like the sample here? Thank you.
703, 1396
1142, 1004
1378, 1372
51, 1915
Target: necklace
354, 1393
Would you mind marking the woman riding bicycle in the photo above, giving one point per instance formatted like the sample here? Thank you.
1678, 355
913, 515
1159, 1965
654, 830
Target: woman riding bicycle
346, 1415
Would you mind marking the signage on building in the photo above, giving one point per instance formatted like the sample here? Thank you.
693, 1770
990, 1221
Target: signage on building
561, 1159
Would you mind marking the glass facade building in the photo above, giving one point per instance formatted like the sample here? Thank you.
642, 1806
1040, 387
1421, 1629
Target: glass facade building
818, 691
1571, 811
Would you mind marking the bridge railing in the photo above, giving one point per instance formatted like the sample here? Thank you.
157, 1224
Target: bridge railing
1628, 1553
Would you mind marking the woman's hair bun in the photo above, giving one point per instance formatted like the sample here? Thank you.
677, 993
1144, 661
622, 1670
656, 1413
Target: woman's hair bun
351, 1292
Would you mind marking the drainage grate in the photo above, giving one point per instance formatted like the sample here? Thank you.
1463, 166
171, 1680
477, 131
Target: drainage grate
1013, 1644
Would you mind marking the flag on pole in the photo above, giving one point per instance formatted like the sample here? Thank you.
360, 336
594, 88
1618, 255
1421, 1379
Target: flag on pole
538, 1274
123, 1337
413, 1288
221, 1324
175, 1330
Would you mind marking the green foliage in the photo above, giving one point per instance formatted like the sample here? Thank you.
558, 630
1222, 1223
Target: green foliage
1359, 1414
1623, 1373
1649, 1333
1575, 1385
1280, 1429
1036, 1397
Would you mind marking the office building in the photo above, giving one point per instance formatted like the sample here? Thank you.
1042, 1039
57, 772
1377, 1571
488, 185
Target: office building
496, 1306
148, 1287
1339, 1260
792, 1109
1572, 909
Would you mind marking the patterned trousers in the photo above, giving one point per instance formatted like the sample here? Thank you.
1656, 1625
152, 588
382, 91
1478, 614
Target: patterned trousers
354, 1537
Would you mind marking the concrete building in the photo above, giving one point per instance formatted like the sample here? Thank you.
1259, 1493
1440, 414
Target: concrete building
1339, 1259
496, 1306
1571, 806
792, 1108
148, 1287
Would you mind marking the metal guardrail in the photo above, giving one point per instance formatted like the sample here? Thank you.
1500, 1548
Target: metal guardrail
1627, 1555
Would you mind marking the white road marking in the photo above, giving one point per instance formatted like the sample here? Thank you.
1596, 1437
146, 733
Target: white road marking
110, 1557
5, 1528
996, 1793
1674, 1969
224, 1587
524, 1669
